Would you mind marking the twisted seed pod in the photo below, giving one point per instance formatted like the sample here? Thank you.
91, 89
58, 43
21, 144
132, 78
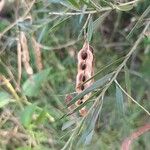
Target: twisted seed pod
85, 71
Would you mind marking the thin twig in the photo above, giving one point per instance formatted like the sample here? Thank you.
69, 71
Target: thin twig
92, 11
70, 43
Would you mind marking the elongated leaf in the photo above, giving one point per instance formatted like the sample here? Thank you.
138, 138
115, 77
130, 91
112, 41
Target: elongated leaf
119, 101
68, 124
32, 86
82, 15
124, 7
98, 84
127, 81
90, 30
90, 122
26, 115
89, 137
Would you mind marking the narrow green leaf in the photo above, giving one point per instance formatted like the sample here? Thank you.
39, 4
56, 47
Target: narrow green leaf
90, 122
124, 7
127, 81
68, 124
32, 86
82, 15
90, 29
119, 101
98, 84
26, 115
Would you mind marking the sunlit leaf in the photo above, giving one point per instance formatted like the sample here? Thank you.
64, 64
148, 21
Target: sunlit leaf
32, 86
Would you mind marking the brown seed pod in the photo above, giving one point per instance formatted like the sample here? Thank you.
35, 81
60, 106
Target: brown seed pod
85, 70
25, 53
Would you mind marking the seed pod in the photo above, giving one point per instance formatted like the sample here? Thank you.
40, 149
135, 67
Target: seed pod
85, 70
25, 53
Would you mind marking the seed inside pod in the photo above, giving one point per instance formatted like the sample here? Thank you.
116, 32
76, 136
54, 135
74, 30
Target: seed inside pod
79, 102
83, 78
82, 87
84, 55
83, 66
